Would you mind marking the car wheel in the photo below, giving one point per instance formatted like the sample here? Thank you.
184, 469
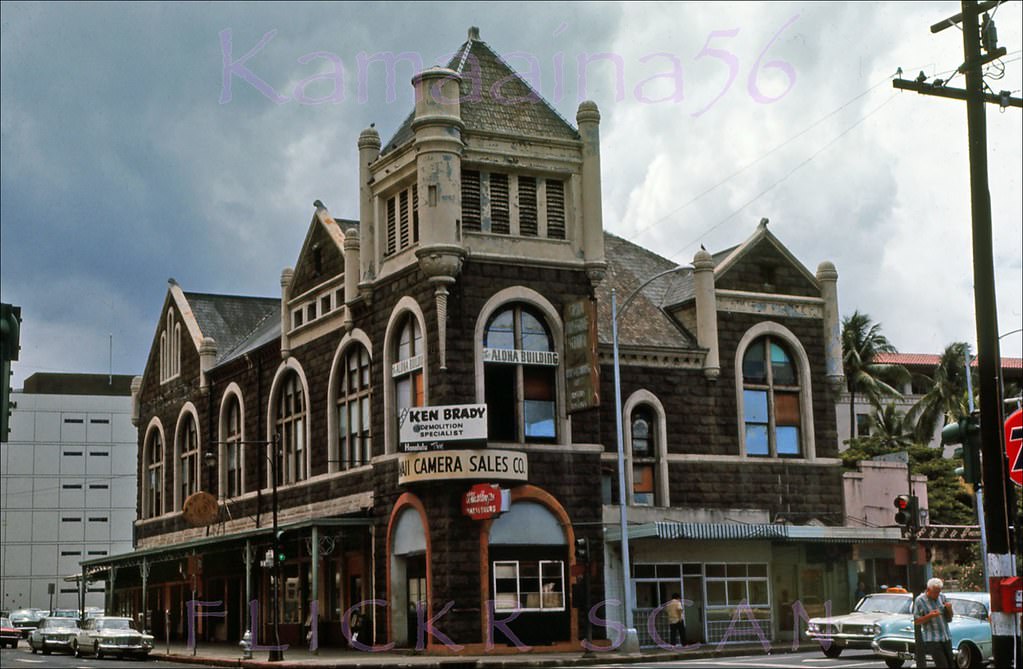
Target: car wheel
96, 651
46, 651
832, 651
32, 646
74, 648
894, 662
967, 657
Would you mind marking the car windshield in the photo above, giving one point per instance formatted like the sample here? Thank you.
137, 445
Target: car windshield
5, 622
115, 624
968, 607
884, 604
57, 622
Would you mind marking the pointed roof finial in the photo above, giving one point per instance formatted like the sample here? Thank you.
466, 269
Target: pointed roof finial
474, 33
763, 222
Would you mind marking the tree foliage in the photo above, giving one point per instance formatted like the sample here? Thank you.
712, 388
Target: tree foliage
947, 399
862, 343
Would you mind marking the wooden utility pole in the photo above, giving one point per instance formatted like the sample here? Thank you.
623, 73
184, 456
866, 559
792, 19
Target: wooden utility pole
1000, 562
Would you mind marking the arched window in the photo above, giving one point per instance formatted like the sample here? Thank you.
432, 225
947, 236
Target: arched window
153, 482
291, 426
644, 455
188, 461
353, 396
407, 370
520, 366
771, 400
232, 458
170, 348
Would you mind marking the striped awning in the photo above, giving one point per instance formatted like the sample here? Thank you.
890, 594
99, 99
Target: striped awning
757, 531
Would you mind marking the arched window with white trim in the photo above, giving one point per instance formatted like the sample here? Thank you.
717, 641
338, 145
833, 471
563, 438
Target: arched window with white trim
646, 449
353, 407
231, 484
152, 485
290, 423
188, 458
772, 415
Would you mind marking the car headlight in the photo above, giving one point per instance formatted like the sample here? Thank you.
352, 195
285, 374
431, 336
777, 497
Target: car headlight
813, 627
877, 629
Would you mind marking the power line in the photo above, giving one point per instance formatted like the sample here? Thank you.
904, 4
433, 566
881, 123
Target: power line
787, 175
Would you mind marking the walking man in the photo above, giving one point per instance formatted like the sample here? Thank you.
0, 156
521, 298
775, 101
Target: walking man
931, 613
676, 621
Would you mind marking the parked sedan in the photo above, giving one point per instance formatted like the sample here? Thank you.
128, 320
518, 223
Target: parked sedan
53, 633
970, 628
856, 629
9, 634
111, 636
26, 620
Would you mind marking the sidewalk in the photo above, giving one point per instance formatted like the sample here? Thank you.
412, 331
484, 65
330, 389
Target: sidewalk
229, 655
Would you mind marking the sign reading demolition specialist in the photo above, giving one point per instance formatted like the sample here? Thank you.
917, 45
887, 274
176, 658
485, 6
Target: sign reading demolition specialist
582, 378
457, 422
451, 465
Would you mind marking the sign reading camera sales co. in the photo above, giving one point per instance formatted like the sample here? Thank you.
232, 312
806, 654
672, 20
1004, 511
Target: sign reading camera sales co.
450, 465
457, 422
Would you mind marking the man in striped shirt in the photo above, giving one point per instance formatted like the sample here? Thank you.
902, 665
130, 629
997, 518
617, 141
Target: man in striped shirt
930, 611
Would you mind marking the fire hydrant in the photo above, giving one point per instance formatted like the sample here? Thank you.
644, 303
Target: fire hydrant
246, 645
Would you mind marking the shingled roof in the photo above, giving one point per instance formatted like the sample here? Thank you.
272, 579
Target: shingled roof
230, 319
645, 323
513, 107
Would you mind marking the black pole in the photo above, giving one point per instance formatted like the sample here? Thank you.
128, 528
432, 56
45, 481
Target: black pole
276, 654
999, 557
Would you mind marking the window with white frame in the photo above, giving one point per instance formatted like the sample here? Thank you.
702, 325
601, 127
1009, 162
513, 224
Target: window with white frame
188, 461
407, 370
402, 211
353, 405
170, 349
520, 376
513, 204
732, 585
290, 423
154, 476
771, 400
644, 455
232, 439
529, 585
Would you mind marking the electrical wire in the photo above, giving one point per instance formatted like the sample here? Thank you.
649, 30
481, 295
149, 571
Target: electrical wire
645, 228
787, 175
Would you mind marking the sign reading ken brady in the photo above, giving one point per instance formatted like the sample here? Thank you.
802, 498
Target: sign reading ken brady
450, 465
457, 422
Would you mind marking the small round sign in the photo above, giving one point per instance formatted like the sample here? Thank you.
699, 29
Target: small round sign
200, 509
1014, 445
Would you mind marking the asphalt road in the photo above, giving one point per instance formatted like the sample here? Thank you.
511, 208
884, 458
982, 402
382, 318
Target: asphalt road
850, 659
22, 658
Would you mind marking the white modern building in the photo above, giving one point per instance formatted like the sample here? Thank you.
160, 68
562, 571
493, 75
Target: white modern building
67, 486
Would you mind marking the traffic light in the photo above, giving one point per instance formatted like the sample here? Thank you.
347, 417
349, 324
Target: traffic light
281, 557
10, 335
907, 511
582, 550
966, 431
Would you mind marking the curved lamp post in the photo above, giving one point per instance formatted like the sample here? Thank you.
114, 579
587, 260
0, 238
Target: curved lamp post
631, 637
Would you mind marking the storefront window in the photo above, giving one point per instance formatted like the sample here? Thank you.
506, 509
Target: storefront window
730, 586
529, 585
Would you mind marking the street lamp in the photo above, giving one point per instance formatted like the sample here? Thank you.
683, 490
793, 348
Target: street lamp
631, 638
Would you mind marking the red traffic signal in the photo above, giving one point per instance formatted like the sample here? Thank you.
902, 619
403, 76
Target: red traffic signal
906, 513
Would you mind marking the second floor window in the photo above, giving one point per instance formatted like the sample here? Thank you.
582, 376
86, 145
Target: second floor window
353, 408
188, 464
771, 405
233, 449
644, 453
290, 424
153, 483
407, 370
520, 367
403, 220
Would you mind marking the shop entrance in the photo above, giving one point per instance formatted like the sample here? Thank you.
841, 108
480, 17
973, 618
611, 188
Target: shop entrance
415, 594
408, 569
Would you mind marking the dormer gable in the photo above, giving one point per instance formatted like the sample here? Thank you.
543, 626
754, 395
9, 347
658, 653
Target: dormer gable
321, 258
762, 264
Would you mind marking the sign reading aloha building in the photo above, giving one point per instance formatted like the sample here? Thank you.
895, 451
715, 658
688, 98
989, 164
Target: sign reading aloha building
452, 465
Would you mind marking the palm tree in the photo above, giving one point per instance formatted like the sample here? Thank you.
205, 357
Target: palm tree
862, 342
890, 429
947, 398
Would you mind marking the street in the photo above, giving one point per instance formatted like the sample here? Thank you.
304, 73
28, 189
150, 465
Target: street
10, 658
849, 659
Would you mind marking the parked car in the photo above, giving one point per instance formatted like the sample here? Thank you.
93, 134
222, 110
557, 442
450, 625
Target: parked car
26, 620
895, 641
9, 634
856, 629
111, 636
53, 633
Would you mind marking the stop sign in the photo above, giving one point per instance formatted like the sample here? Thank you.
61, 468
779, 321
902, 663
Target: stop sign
1014, 445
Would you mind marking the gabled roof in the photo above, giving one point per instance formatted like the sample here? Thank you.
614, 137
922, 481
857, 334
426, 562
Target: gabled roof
230, 319
645, 323
518, 108
761, 234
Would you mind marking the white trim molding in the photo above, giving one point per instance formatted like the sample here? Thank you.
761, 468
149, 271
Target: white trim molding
355, 337
405, 305
660, 427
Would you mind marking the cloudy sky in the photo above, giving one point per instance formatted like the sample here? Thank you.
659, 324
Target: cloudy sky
129, 157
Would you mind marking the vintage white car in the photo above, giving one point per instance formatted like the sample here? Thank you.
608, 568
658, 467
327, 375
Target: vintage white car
856, 629
53, 633
111, 636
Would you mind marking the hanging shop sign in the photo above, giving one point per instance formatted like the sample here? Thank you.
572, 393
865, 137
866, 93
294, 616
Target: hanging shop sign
200, 509
582, 375
485, 500
435, 425
468, 464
